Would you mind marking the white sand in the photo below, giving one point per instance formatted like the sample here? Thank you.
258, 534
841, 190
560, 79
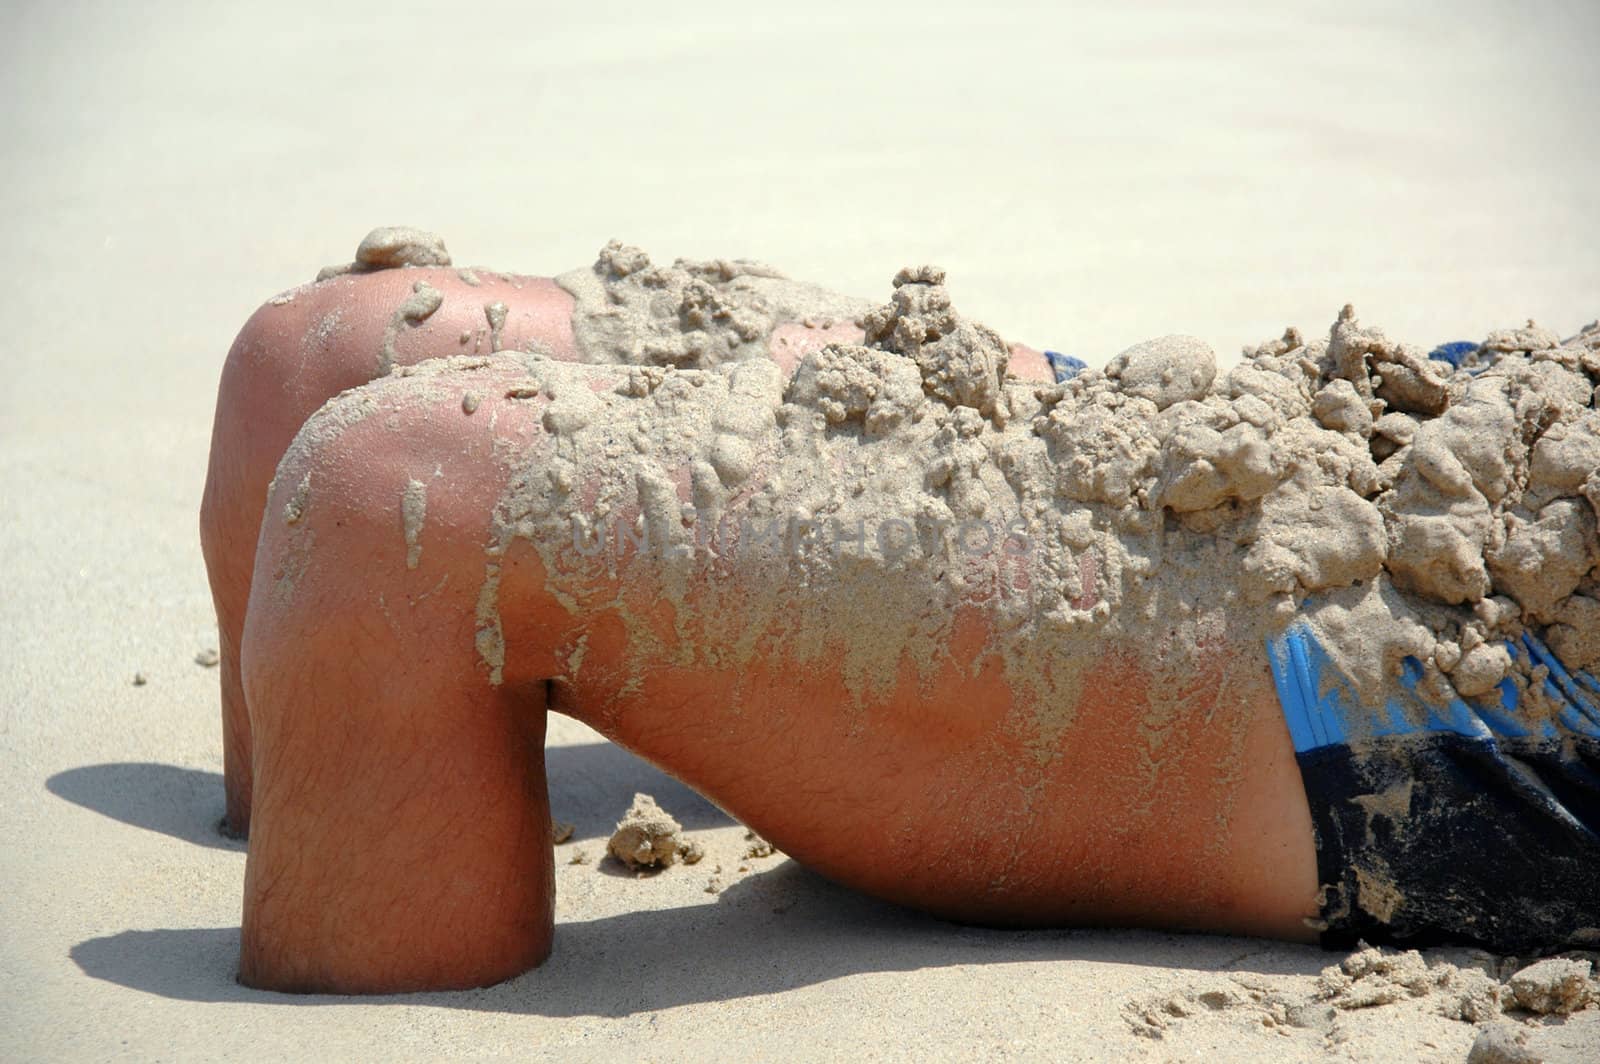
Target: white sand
1089, 179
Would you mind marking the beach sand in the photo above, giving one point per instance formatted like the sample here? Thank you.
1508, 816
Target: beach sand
1088, 179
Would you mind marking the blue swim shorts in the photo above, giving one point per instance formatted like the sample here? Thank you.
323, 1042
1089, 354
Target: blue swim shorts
1469, 821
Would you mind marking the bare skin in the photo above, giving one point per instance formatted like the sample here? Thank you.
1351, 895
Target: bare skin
399, 820
294, 354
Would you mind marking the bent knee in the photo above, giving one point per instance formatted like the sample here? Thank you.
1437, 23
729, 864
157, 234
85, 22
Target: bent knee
315, 341
388, 506
386, 469
360, 325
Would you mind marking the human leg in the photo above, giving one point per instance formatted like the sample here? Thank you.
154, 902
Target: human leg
389, 759
295, 353
400, 830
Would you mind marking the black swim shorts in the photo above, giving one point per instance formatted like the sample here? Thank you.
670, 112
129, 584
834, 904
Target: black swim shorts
1465, 821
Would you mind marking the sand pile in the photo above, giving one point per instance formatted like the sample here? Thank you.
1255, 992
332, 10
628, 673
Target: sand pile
1408, 508
1371, 981
648, 837
392, 247
690, 314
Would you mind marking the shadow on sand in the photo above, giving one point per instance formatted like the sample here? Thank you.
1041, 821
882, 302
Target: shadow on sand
768, 932
590, 787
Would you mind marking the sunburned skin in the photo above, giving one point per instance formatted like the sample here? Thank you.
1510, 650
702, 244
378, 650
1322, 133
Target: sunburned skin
296, 352
401, 841
354, 324
976, 643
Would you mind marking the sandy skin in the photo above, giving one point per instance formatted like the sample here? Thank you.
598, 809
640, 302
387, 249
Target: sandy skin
301, 349
296, 352
401, 841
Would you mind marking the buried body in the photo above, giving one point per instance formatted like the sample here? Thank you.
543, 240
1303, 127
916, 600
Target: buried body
1290, 650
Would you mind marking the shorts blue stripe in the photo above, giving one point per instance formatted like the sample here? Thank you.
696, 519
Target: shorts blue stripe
1065, 367
1321, 708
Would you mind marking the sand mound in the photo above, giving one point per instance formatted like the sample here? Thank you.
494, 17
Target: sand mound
1407, 508
648, 837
